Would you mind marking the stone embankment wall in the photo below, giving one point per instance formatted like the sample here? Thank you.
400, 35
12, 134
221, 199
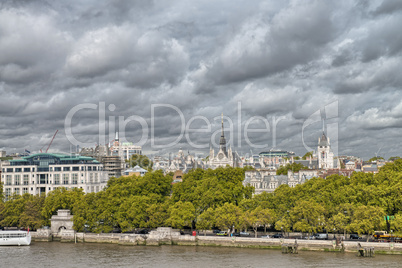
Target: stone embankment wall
166, 236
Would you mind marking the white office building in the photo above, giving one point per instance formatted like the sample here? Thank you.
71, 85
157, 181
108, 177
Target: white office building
44, 172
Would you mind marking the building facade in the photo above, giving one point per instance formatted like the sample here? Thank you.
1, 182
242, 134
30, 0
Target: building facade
268, 181
324, 153
224, 157
44, 172
124, 149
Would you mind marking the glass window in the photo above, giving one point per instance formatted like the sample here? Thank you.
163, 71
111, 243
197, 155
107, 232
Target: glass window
66, 178
76, 168
26, 179
9, 170
17, 179
18, 169
89, 168
17, 191
57, 168
8, 192
27, 169
8, 180
25, 190
56, 178
66, 168
75, 178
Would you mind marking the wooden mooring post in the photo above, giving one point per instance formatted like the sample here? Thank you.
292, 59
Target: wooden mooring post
289, 248
365, 252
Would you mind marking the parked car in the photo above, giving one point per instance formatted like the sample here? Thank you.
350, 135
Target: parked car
321, 236
265, 236
215, 231
279, 235
222, 233
235, 234
244, 234
355, 236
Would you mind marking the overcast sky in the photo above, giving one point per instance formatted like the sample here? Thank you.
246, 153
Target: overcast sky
279, 65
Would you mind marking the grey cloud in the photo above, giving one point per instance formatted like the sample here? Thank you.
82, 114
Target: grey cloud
277, 58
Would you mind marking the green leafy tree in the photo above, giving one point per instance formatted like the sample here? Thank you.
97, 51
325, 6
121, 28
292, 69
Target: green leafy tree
367, 219
338, 222
229, 216
294, 167
181, 214
206, 220
308, 216
141, 161
307, 155
158, 214
60, 198
376, 158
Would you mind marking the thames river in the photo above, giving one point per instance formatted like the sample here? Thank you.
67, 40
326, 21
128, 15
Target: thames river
56, 254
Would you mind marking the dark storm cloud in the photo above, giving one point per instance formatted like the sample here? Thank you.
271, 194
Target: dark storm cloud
269, 60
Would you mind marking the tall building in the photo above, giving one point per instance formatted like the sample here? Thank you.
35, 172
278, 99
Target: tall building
224, 157
44, 172
324, 153
124, 149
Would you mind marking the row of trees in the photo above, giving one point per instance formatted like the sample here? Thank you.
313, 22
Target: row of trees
217, 198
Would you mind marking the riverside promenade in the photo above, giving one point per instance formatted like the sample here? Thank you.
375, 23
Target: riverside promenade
168, 236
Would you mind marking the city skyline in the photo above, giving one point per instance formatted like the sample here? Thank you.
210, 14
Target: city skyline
283, 61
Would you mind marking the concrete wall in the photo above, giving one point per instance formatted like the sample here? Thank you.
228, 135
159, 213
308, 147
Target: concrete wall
275, 243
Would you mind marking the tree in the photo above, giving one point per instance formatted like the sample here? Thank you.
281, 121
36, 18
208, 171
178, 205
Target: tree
307, 155
393, 158
251, 219
181, 214
307, 216
60, 198
367, 219
206, 220
228, 216
266, 216
338, 222
158, 214
141, 161
294, 167
375, 158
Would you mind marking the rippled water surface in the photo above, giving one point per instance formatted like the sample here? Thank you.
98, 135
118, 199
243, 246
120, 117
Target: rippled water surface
56, 254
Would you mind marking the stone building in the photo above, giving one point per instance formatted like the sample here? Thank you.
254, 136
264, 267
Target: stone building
224, 157
268, 181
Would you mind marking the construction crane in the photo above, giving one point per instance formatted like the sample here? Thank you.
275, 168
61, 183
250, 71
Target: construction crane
50, 142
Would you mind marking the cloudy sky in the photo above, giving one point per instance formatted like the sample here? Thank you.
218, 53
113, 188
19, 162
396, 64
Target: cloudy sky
162, 66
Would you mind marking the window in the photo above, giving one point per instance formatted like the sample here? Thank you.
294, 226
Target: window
25, 190
17, 179
9, 170
94, 168
27, 169
82, 168
91, 177
76, 168
66, 168
57, 168
18, 169
66, 178
75, 178
8, 192
8, 180
56, 178
17, 191
89, 168
96, 177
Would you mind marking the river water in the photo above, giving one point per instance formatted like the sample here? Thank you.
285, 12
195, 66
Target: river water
56, 254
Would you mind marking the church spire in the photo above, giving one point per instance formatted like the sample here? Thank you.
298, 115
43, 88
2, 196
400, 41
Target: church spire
222, 142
